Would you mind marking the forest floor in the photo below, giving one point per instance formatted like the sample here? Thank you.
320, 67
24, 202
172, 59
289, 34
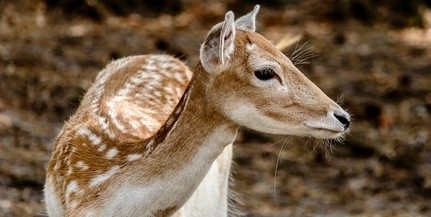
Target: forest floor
380, 74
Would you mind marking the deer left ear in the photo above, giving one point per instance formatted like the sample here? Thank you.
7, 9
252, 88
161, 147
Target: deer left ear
215, 52
248, 21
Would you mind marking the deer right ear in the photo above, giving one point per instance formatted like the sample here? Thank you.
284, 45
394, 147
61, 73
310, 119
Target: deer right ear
218, 47
248, 21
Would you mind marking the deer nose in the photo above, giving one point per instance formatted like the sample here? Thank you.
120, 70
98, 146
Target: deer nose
344, 119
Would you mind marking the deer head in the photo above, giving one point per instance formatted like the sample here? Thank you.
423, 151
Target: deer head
258, 87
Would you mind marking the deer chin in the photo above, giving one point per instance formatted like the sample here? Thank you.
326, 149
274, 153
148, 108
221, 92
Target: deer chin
322, 130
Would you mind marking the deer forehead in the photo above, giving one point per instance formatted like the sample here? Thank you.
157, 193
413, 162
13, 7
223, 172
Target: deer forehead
259, 53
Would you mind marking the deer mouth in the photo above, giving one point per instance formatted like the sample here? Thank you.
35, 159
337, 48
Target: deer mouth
324, 128
325, 133
327, 130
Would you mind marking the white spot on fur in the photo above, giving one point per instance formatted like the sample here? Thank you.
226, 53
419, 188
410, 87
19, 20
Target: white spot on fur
69, 171
158, 94
135, 125
104, 176
83, 131
170, 121
94, 139
104, 125
150, 67
125, 90
149, 147
73, 205
57, 166
250, 47
71, 188
133, 157
102, 148
81, 165
178, 111
113, 112
111, 153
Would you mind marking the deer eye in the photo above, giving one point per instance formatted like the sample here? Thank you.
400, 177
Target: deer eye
264, 74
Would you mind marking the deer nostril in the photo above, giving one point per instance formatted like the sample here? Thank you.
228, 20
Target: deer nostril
344, 120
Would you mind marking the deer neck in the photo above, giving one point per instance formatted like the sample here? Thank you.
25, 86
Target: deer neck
183, 150
195, 123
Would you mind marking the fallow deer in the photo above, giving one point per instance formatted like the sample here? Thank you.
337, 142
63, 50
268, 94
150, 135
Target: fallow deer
152, 139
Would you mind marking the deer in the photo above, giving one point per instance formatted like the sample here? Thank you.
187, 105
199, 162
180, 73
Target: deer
152, 138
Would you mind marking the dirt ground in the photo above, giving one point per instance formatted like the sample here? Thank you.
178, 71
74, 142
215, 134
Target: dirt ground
380, 72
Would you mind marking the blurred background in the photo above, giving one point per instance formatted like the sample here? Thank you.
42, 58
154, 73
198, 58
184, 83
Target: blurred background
374, 56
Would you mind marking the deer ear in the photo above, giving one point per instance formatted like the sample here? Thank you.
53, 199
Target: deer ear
248, 21
215, 52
